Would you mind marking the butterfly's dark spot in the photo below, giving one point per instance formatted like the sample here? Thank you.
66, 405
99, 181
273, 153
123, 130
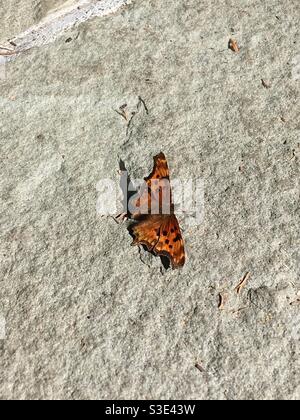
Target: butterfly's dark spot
165, 233
170, 246
172, 230
167, 241
177, 238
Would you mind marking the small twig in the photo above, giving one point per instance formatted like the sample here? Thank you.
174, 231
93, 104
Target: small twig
295, 302
199, 367
222, 301
141, 100
242, 283
122, 111
236, 311
129, 117
120, 218
133, 114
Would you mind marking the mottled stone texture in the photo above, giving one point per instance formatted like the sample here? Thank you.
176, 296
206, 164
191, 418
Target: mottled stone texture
18, 15
86, 315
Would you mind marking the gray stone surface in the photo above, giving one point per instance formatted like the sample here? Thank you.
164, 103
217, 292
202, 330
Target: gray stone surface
85, 316
18, 15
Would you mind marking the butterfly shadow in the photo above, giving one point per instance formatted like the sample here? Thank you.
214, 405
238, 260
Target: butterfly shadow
127, 194
125, 182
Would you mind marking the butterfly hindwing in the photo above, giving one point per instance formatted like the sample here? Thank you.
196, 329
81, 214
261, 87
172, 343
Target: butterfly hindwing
170, 243
161, 234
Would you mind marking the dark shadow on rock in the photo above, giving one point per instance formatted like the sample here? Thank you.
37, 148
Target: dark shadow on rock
165, 262
124, 185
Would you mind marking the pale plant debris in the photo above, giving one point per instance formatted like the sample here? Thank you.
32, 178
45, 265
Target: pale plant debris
123, 112
120, 218
6, 48
266, 84
295, 302
140, 103
4, 51
222, 300
242, 283
236, 311
233, 45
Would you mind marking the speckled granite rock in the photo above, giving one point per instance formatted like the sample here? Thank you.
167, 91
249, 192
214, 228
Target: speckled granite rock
85, 316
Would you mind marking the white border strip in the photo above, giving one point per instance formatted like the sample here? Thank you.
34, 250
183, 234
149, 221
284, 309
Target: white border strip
54, 25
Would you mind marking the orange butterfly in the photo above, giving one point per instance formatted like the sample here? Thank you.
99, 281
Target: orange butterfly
156, 225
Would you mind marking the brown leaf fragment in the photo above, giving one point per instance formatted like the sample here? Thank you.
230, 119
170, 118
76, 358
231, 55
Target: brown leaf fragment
233, 45
242, 283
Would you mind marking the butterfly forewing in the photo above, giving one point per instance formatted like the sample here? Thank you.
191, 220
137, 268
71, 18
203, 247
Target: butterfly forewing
170, 241
160, 169
155, 194
146, 232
